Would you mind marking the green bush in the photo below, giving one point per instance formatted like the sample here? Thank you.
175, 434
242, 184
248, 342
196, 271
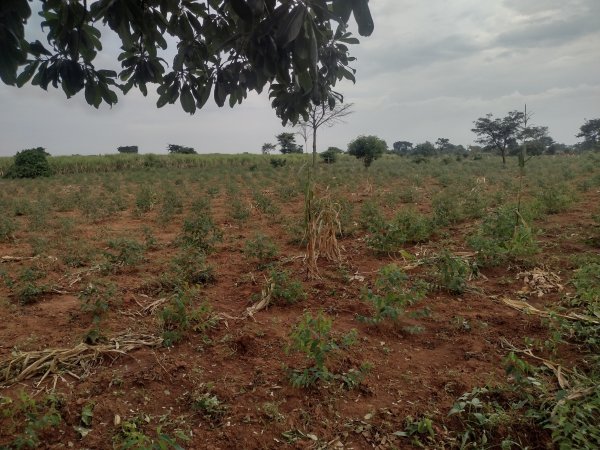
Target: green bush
30, 163
330, 155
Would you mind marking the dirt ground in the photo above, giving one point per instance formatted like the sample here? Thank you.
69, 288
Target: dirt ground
242, 360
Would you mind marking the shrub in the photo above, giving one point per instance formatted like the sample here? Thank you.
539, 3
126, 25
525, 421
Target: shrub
330, 155
277, 162
30, 163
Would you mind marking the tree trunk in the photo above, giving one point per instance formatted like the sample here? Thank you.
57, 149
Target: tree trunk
504, 157
314, 161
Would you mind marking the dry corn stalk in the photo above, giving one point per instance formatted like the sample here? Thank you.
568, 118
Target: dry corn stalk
529, 309
539, 282
264, 302
75, 361
322, 226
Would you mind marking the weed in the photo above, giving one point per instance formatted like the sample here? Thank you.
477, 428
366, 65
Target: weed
262, 249
131, 435
7, 229
200, 231
284, 289
145, 200
554, 199
391, 295
96, 299
178, 317
271, 412
29, 420
407, 227
239, 212
451, 272
125, 252
504, 235
265, 204
204, 401
312, 336
190, 267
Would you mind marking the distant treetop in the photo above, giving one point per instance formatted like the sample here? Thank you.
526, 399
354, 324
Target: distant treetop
180, 149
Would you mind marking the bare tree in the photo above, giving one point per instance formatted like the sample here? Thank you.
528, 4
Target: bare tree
318, 116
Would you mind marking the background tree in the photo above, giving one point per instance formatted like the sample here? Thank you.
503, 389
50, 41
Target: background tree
590, 132
536, 139
30, 163
320, 115
426, 149
498, 134
223, 47
402, 147
287, 143
331, 154
267, 148
180, 149
367, 148
128, 149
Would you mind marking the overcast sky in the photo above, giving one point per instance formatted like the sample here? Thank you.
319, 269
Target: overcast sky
428, 71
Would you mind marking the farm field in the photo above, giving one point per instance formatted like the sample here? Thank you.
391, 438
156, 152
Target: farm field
164, 302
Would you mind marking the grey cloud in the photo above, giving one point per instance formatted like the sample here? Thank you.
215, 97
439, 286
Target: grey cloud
549, 33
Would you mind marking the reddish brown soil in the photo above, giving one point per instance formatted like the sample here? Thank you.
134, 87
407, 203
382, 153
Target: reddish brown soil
412, 374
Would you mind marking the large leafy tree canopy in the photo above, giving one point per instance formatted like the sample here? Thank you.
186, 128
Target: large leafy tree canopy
499, 133
298, 48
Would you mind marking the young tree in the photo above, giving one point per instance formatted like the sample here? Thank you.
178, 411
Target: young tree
499, 134
590, 132
367, 148
287, 143
180, 149
299, 50
320, 115
267, 148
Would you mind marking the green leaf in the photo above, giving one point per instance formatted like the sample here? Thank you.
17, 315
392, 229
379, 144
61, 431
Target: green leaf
187, 100
241, 8
290, 25
362, 14
27, 73
342, 9
305, 81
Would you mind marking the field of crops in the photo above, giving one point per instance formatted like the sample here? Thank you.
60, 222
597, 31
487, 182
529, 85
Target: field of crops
166, 302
